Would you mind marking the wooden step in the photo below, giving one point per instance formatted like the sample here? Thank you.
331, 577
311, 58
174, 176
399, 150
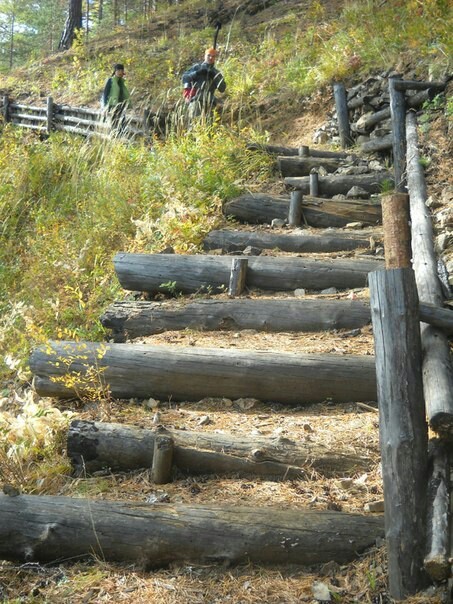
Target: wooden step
68, 369
341, 183
197, 273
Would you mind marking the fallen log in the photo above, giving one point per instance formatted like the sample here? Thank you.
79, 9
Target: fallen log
93, 446
68, 369
293, 151
195, 273
326, 241
130, 320
53, 529
302, 166
437, 365
317, 212
341, 183
383, 143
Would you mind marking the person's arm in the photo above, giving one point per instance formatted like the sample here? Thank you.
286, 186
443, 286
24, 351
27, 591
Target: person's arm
106, 92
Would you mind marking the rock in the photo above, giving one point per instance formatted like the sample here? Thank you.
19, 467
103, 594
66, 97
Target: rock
433, 203
167, 250
278, 223
444, 241
299, 293
321, 592
379, 251
251, 251
322, 171
346, 483
339, 196
329, 291
360, 123
357, 193
320, 137
204, 420
376, 166
374, 507
354, 225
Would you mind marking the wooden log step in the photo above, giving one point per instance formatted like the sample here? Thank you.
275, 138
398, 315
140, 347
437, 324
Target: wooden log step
341, 183
298, 151
317, 212
48, 529
381, 143
326, 241
130, 320
93, 446
196, 273
302, 166
68, 369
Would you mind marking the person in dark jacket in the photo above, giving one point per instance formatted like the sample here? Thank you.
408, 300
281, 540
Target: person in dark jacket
200, 84
116, 97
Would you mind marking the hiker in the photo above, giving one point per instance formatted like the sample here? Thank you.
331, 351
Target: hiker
116, 97
200, 83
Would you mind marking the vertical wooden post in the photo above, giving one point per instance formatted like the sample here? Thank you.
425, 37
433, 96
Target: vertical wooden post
314, 184
237, 276
162, 459
397, 233
304, 151
398, 113
341, 105
49, 114
402, 425
295, 208
6, 114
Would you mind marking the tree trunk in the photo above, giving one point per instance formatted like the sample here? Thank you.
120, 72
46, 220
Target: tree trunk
73, 23
437, 366
317, 212
93, 446
68, 369
303, 242
195, 273
48, 529
341, 183
130, 320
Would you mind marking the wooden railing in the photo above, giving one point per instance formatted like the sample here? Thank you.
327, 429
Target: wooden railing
76, 120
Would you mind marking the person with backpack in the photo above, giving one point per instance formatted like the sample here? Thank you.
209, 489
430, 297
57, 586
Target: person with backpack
116, 97
200, 84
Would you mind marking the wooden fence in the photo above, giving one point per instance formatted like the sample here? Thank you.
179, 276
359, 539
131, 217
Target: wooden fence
76, 120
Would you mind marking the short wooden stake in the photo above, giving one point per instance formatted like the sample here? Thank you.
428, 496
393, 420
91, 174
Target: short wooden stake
237, 276
162, 459
397, 233
402, 425
295, 208
341, 105
304, 151
314, 184
49, 114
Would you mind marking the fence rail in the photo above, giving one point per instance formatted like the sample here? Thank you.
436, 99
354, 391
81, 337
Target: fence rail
76, 120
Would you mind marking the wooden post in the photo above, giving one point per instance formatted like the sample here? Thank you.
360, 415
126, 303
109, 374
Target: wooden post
6, 115
438, 525
237, 276
341, 105
295, 208
397, 235
398, 113
403, 429
162, 459
304, 151
49, 114
314, 184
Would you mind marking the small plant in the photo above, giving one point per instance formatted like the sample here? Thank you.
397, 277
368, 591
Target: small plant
169, 287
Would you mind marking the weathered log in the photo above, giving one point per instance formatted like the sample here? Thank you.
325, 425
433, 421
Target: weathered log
398, 113
327, 241
375, 118
195, 273
162, 458
313, 184
295, 151
295, 209
68, 369
341, 183
130, 320
93, 446
397, 234
302, 166
436, 560
437, 366
51, 529
383, 143
403, 85
237, 276
402, 426
341, 105
317, 212
141, 318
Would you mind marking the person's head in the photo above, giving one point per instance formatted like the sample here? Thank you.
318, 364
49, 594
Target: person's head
118, 70
210, 56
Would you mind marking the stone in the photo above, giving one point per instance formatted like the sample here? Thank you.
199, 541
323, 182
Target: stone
329, 291
278, 223
374, 507
299, 293
357, 193
354, 225
251, 251
444, 241
376, 166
